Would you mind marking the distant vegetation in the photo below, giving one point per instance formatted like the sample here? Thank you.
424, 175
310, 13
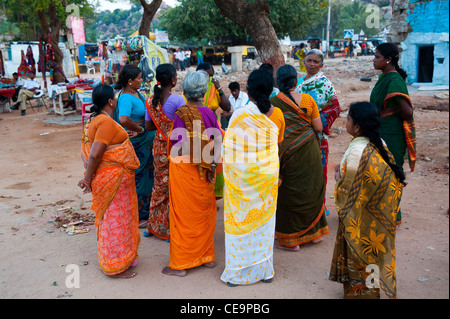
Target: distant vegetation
119, 22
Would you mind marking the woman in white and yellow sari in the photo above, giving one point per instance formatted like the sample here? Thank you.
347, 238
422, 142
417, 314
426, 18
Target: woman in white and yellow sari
251, 167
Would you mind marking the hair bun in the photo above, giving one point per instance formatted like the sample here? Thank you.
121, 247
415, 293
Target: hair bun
94, 108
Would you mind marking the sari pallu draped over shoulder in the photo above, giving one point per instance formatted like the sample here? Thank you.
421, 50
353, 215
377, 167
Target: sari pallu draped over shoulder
367, 200
251, 167
115, 204
158, 221
389, 86
300, 208
193, 207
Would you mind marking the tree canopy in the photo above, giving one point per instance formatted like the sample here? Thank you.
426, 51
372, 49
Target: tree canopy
201, 19
23, 18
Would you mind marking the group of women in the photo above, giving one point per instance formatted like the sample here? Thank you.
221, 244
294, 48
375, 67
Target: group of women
269, 167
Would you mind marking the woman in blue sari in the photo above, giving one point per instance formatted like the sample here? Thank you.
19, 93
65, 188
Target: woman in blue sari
130, 113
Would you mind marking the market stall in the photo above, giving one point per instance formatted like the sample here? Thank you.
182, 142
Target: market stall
7, 91
55, 93
138, 50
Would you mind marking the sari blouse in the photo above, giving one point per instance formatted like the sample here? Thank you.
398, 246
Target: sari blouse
323, 92
387, 84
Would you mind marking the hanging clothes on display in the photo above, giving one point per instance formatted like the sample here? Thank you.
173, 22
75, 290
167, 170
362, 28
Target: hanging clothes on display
2, 65
30, 59
24, 69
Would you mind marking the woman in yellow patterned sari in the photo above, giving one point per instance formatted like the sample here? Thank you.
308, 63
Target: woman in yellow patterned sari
367, 196
110, 163
251, 165
215, 98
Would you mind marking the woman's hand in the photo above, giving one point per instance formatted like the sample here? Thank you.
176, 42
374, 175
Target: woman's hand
337, 172
210, 175
85, 186
216, 83
132, 134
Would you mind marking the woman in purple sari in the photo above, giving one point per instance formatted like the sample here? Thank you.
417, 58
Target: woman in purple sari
194, 151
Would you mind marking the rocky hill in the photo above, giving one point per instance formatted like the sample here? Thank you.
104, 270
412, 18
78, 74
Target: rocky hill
110, 24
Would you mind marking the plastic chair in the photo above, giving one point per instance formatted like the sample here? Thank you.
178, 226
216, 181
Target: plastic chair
39, 96
90, 67
84, 113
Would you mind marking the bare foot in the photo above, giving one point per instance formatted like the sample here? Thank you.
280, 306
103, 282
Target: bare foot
171, 272
317, 240
279, 246
209, 265
127, 274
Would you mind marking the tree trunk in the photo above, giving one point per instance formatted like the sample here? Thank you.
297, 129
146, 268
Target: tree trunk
55, 27
149, 12
253, 16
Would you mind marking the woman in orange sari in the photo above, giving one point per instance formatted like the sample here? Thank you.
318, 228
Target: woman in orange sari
159, 115
214, 99
110, 162
193, 160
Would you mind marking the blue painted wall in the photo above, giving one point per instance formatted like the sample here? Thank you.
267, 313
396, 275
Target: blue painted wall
429, 16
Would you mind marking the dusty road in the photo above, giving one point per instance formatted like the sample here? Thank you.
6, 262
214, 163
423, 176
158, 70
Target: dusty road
40, 168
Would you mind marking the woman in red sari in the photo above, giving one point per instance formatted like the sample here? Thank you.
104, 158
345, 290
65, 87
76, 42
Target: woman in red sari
110, 162
159, 115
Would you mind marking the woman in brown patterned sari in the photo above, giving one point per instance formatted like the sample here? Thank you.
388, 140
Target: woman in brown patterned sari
367, 196
159, 115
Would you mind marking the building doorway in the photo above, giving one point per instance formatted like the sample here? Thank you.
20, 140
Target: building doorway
426, 63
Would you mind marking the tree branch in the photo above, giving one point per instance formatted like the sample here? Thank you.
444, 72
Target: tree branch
150, 10
253, 16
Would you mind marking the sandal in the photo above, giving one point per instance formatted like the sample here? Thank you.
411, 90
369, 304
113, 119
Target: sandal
146, 233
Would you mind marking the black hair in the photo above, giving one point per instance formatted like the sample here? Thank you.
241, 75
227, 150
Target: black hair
101, 94
129, 72
234, 86
287, 79
205, 67
268, 67
390, 50
259, 87
15, 73
164, 75
367, 116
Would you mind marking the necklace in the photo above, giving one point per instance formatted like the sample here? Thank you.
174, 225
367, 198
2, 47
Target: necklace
129, 91
105, 113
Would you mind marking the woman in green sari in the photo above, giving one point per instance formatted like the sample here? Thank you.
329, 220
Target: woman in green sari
300, 216
390, 95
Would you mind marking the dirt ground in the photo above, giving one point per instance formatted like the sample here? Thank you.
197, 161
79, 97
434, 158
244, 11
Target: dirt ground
41, 165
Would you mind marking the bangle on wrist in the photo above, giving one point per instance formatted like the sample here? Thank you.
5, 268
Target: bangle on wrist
86, 182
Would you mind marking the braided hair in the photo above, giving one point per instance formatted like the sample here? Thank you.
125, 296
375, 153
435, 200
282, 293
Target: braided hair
367, 116
259, 87
164, 75
100, 96
390, 50
287, 79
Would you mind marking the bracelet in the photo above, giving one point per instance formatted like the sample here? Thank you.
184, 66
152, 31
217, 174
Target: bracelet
86, 182
141, 131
